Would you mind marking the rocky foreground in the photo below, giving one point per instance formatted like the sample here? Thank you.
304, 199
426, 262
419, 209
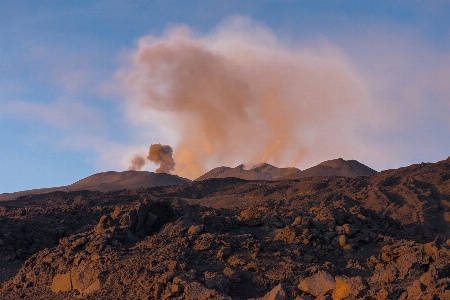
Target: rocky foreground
384, 236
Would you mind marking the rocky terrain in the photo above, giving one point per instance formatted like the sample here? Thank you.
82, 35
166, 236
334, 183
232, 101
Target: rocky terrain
108, 181
263, 171
383, 236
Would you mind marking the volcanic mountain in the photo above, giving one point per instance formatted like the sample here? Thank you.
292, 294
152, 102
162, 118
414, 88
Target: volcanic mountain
334, 167
262, 171
109, 181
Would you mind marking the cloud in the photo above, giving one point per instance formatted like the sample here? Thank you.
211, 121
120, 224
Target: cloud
404, 75
239, 95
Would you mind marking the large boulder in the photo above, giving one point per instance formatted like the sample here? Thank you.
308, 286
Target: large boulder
318, 284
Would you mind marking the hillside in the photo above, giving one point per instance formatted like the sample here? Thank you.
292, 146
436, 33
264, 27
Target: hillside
108, 181
113, 181
382, 236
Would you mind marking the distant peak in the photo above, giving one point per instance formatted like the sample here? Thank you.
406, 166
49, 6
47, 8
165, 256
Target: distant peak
262, 166
333, 162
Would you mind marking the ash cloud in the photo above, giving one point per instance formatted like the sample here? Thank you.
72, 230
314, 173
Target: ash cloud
162, 155
137, 163
239, 96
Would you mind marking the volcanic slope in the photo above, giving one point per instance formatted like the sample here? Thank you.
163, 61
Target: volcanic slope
334, 167
109, 181
263, 171
382, 236
113, 181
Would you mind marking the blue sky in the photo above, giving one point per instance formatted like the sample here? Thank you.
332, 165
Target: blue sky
66, 113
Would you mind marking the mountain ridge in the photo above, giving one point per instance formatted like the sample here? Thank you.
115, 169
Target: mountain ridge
106, 182
262, 171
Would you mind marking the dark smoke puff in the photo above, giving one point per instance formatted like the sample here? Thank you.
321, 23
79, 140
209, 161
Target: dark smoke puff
136, 163
162, 155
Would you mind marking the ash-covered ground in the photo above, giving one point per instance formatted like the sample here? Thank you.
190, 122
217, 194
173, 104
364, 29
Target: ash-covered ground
383, 236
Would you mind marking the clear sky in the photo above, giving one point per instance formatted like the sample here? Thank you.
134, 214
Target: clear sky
68, 107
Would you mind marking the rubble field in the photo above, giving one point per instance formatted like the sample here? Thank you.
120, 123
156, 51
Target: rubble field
383, 236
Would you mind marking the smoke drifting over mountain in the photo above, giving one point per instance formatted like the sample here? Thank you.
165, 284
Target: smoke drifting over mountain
162, 155
136, 163
238, 95
158, 154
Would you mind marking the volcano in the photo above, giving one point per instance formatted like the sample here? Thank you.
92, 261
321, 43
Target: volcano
262, 171
113, 181
108, 181
334, 167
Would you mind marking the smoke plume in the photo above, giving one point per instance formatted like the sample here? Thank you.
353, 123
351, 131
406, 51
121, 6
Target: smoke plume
162, 155
239, 96
136, 163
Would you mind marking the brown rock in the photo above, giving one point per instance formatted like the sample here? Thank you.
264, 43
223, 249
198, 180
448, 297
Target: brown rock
318, 285
429, 277
252, 213
277, 274
385, 274
195, 229
116, 213
382, 294
103, 223
236, 260
196, 291
297, 221
204, 242
277, 293
287, 234
85, 280
431, 250
61, 283
340, 230
129, 219
415, 290
350, 229
348, 288
176, 288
